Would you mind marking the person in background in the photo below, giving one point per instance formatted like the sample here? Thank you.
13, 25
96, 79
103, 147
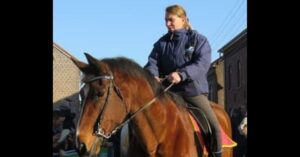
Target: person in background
57, 126
243, 126
68, 125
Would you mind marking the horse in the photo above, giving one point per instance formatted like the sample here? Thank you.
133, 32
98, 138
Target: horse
118, 91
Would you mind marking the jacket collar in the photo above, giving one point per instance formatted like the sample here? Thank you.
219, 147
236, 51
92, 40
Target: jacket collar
177, 34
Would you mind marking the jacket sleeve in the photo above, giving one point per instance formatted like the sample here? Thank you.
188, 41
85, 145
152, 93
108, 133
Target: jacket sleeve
153, 61
200, 62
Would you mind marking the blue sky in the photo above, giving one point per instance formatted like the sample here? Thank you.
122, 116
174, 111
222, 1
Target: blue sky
130, 28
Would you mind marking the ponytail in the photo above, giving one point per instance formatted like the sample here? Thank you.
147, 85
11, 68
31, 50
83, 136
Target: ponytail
188, 25
180, 12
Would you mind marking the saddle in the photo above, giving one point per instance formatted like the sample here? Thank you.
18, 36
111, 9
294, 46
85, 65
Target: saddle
202, 129
205, 128
203, 134
205, 138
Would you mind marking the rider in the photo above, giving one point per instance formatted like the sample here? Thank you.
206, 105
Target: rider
185, 62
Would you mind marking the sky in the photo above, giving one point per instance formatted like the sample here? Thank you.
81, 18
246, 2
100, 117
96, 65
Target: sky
129, 28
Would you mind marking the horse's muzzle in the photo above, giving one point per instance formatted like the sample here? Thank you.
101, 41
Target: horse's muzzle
82, 150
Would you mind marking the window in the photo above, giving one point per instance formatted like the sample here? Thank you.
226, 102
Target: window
229, 76
238, 73
235, 98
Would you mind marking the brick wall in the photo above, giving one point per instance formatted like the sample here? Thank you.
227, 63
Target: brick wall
66, 80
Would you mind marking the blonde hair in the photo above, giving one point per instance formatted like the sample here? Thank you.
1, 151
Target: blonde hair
180, 12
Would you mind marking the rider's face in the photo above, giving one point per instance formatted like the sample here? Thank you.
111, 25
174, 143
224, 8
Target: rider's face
174, 22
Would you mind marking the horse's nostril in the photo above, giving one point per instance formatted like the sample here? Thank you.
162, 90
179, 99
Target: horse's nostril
82, 148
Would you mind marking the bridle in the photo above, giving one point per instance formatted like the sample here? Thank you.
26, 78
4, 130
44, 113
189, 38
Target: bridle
98, 131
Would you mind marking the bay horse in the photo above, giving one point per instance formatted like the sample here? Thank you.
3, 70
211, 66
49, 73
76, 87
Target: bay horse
118, 91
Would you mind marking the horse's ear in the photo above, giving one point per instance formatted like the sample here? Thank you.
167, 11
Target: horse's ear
96, 65
91, 60
81, 65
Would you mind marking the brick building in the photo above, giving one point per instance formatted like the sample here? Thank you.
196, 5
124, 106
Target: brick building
235, 67
215, 77
227, 76
66, 80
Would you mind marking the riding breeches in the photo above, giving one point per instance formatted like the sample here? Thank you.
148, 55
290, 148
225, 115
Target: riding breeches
203, 103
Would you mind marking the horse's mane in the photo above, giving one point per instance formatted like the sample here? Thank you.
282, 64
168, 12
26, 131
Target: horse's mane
134, 70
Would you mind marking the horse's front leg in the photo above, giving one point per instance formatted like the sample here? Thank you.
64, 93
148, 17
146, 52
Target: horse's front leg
146, 137
135, 149
150, 145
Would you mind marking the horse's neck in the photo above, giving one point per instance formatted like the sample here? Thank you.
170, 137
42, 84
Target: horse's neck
156, 118
159, 113
161, 124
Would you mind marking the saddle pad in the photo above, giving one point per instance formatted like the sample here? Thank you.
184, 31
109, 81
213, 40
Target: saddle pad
226, 141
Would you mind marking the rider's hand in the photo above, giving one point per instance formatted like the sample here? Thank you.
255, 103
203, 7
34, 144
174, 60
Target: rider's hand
157, 79
174, 77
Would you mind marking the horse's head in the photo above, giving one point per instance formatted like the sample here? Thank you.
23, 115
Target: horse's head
103, 106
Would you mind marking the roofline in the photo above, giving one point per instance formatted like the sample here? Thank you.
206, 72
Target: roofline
234, 40
218, 59
63, 51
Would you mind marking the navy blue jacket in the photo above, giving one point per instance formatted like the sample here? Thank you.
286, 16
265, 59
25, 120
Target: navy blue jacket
169, 55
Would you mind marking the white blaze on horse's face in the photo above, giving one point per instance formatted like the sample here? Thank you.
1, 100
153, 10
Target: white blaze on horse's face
83, 94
